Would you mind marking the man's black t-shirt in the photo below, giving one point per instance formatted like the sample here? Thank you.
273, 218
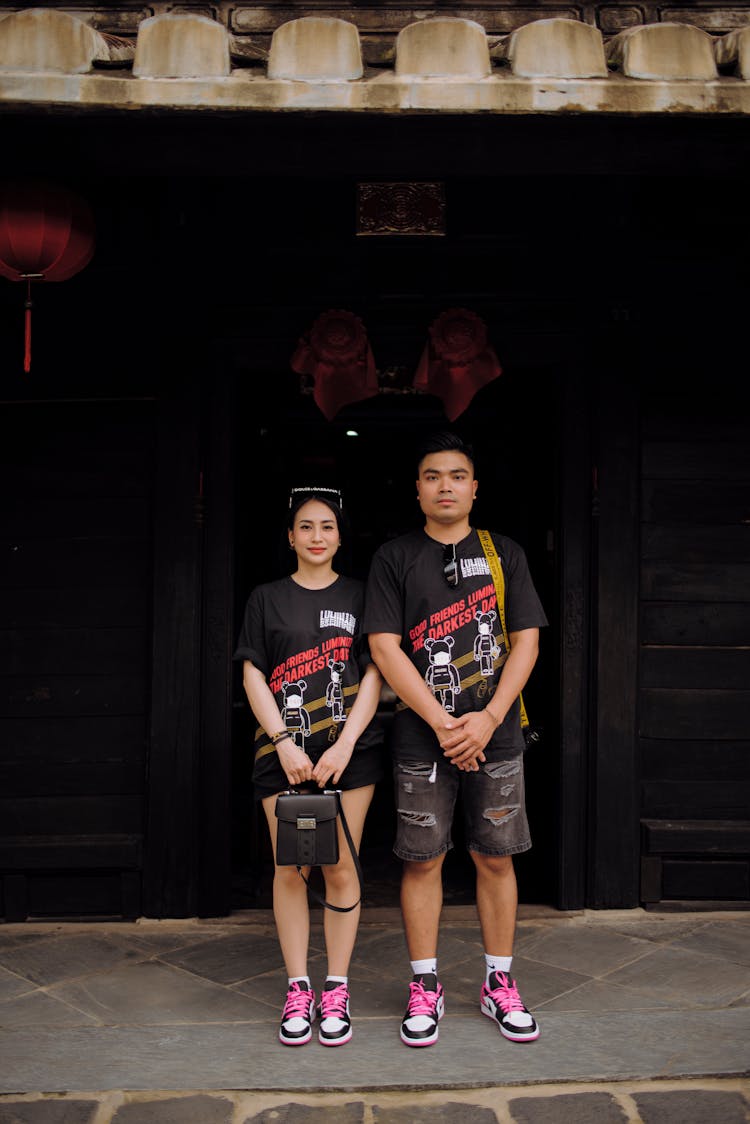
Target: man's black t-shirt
310, 646
452, 636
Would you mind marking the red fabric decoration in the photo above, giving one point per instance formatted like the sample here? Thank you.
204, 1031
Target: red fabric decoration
457, 360
337, 354
46, 234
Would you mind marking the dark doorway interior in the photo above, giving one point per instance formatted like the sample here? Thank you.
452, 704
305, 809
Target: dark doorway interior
307, 259
369, 450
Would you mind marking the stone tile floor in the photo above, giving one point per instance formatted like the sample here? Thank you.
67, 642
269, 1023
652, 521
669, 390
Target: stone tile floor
127, 1011
686, 1102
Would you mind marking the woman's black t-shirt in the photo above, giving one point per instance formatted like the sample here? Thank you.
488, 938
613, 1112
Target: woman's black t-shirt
309, 645
452, 636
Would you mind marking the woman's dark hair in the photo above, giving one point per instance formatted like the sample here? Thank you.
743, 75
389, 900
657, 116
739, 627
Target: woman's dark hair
302, 498
444, 442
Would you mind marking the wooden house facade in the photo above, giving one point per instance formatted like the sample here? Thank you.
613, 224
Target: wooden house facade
577, 176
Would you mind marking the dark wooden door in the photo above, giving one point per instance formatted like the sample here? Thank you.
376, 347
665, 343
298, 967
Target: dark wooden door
694, 656
75, 656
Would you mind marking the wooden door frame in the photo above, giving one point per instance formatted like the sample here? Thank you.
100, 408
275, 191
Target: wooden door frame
217, 643
171, 843
614, 838
574, 537
599, 581
188, 853
187, 847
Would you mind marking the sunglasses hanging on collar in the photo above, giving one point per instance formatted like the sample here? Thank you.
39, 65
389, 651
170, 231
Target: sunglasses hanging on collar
450, 565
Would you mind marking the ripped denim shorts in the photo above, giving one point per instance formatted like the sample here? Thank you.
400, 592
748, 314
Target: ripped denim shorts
493, 802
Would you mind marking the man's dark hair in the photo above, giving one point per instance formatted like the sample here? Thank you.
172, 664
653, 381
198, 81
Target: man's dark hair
444, 442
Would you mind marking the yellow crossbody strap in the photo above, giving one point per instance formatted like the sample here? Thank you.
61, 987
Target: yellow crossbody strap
496, 571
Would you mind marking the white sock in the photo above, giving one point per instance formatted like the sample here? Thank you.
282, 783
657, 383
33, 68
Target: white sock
424, 967
502, 964
337, 979
496, 964
299, 979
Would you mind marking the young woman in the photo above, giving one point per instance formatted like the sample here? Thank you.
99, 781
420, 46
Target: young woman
314, 691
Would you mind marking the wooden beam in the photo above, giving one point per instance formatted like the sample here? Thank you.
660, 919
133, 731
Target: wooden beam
574, 534
70, 852
696, 837
215, 770
169, 888
614, 839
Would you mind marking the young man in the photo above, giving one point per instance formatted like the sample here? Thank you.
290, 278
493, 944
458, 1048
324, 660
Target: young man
435, 633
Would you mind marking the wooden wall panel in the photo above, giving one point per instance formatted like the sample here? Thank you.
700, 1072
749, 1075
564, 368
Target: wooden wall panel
727, 543
72, 564
697, 460
74, 778
711, 502
693, 713
719, 881
83, 738
694, 699
705, 623
72, 815
683, 836
41, 696
695, 581
108, 607
74, 896
75, 608
672, 799
726, 760
73, 756
103, 475
59, 853
696, 668
87, 517
81, 651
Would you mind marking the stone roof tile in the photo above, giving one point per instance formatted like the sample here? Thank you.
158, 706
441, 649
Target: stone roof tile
443, 64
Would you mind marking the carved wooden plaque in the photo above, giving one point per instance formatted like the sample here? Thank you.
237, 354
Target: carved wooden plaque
401, 208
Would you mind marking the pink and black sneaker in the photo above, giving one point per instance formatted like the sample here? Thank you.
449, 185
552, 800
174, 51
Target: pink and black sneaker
298, 1015
500, 1001
335, 1025
425, 1010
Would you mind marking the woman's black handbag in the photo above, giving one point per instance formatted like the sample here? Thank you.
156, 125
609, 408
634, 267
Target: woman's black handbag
307, 835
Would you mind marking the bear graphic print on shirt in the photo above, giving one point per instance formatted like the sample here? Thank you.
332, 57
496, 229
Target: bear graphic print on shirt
309, 646
451, 634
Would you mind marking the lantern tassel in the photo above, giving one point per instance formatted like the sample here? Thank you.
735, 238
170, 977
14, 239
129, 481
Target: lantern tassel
27, 330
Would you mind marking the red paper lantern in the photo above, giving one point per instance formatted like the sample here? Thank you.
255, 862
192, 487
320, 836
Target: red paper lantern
457, 360
46, 234
337, 354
